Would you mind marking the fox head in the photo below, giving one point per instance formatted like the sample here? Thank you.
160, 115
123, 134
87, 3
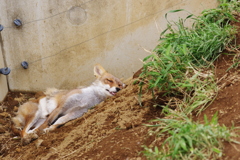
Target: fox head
109, 83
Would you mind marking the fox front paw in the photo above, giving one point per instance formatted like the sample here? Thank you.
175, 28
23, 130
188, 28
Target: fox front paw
28, 138
46, 130
51, 128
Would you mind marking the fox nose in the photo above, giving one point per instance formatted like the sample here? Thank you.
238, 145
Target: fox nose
118, 89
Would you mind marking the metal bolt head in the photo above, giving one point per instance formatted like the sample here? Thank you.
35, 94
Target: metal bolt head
1, 27
24, 64
17, 22
5, 71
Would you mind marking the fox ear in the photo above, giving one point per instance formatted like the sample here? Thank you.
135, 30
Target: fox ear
98, 70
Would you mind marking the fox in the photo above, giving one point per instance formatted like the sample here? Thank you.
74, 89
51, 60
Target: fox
57, 107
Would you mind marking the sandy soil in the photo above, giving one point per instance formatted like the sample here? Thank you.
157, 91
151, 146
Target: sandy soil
114, 129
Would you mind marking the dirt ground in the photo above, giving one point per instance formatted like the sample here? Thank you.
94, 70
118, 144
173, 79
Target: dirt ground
114, 129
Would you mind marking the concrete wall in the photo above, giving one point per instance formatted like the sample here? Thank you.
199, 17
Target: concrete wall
3, 78
62, 39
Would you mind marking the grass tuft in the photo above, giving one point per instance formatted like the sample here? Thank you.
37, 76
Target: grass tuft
188, 139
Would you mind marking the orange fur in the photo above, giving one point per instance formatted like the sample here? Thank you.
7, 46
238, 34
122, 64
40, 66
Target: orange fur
58, 107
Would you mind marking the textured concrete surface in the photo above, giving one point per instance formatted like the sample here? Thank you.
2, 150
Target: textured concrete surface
62, 40
3, 78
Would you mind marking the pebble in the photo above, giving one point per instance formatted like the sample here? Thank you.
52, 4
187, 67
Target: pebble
38, 142
15, 109
18, 150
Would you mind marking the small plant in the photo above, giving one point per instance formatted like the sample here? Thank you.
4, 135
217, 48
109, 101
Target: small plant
188, 139
223, 14
236, 58
204, 40
165, 70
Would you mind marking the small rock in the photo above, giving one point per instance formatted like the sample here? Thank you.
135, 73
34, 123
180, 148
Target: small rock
18, 150
15, 109
38, 142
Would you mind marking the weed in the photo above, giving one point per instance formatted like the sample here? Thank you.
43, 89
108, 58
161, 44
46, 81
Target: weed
236, 58
159, 72
188, 139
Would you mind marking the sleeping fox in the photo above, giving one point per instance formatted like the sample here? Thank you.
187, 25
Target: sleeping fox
59, 106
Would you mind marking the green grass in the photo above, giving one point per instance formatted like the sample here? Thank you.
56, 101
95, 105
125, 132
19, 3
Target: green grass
188, 139
204, 40
182, 47
177, 76
182, 51
163, 71
182, 64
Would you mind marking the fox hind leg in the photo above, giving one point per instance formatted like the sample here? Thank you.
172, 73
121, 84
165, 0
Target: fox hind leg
65, 118
52, 117
27, 134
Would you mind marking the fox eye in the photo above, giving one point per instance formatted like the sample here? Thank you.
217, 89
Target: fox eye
109, 80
